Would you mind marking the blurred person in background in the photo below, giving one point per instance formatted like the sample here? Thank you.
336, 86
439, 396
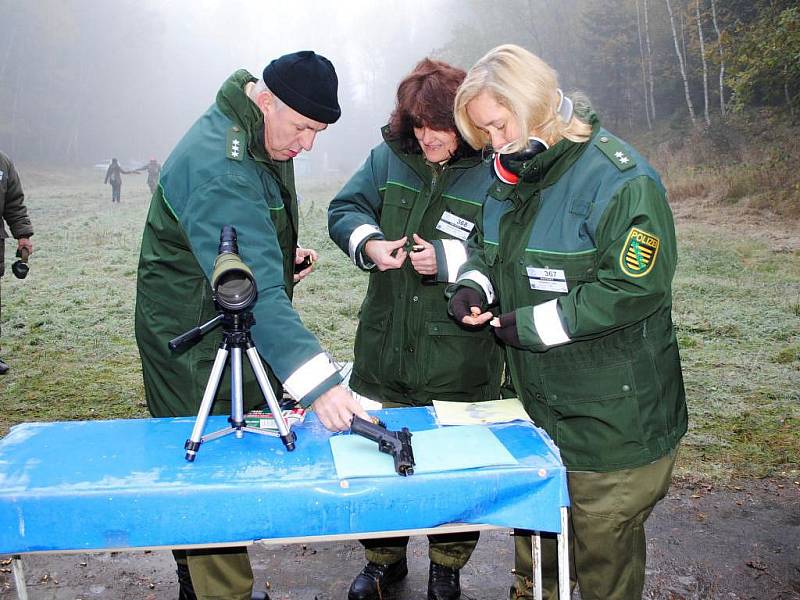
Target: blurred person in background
153, 168
405, 217
576, 252
15, 215
114, 177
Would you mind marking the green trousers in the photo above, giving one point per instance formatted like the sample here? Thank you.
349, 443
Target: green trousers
607, 546
219, 573
449, 549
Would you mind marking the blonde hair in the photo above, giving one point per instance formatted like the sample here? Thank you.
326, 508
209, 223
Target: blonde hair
528, 87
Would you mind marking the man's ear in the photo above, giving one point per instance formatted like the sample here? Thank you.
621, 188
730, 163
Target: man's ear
265, 101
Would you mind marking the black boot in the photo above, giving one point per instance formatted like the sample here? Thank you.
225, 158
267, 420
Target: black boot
185, 587
259, 596
3, 367
373, 579
443, 583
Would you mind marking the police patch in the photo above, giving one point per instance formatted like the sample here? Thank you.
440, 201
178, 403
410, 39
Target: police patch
639, 253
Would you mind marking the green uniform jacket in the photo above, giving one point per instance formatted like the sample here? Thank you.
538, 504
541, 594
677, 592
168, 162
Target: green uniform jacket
219, 174
583, 249
12, 207
407, 349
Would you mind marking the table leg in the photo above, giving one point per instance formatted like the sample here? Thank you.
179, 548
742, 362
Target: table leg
563, 558
19, 577
536, 545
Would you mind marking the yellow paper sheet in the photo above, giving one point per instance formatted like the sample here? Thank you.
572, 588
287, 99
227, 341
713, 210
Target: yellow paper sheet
480, 413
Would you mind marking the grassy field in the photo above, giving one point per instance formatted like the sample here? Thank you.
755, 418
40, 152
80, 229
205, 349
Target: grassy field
67, 330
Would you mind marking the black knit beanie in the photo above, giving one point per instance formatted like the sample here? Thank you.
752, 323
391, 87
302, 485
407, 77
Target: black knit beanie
306, 82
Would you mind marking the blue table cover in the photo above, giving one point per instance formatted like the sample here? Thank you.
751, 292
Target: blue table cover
95, 485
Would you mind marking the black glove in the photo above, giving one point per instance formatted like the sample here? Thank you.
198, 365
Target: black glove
507, 332
462, 301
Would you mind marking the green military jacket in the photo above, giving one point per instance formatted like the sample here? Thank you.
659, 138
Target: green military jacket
407, 349
12, 207
219, 174
583, 250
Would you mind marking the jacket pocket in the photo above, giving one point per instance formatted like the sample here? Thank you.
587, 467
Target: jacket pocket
395, 212
596, 415
372, 340
459, 364
548, 275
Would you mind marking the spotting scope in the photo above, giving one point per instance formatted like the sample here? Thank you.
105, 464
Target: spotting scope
232, 280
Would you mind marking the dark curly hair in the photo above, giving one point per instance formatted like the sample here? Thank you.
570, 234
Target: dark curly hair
425, 98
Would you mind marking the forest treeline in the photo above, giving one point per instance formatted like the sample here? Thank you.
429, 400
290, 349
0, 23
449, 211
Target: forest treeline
645, 62
66, 68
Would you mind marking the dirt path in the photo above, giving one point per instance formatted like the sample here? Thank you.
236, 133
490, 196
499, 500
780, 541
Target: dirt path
705, 543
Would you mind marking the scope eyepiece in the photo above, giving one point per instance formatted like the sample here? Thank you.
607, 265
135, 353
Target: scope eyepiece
228, 243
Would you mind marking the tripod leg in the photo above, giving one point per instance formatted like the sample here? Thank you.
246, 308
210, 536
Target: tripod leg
287, 437
237, 402
192, 445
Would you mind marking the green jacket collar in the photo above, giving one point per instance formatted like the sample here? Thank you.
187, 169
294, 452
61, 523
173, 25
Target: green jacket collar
548, 167
419, 165
235, 104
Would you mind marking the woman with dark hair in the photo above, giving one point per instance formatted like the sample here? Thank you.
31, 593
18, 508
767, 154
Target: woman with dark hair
405, 217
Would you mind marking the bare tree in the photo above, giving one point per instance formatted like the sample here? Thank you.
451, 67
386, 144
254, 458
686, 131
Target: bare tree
532, 23
644, 69
681, 63
705, 63
721, 59
649, 62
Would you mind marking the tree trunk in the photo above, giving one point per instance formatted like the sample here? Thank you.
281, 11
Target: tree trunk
681, 63
9, 46
644, 69
649, 64
534, 33
721, 59
705, 63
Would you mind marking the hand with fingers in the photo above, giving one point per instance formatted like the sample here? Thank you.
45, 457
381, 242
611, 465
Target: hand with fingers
336, 407
467, 306
386, 254
423, 256
505, 328
304, 259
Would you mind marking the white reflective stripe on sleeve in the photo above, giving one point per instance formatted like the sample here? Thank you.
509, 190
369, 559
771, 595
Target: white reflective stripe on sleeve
548, 323
358, 235
309, 376
455, 255
482, 281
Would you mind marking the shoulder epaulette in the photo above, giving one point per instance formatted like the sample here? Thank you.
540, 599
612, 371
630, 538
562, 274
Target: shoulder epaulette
615, 151
236, 144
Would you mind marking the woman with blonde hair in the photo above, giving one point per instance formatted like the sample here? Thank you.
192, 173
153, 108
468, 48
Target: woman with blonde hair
575, 254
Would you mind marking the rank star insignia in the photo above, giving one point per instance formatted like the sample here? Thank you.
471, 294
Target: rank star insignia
619, 154
624, 159
638, 255
236, 140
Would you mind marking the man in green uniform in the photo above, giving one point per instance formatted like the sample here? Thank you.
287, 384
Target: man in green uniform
576, 250
422, 188
13, 213
234, 167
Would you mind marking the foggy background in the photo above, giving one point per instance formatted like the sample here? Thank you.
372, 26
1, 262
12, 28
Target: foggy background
84, 80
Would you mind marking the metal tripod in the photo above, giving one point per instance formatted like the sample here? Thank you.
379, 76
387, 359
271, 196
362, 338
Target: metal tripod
235, 337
